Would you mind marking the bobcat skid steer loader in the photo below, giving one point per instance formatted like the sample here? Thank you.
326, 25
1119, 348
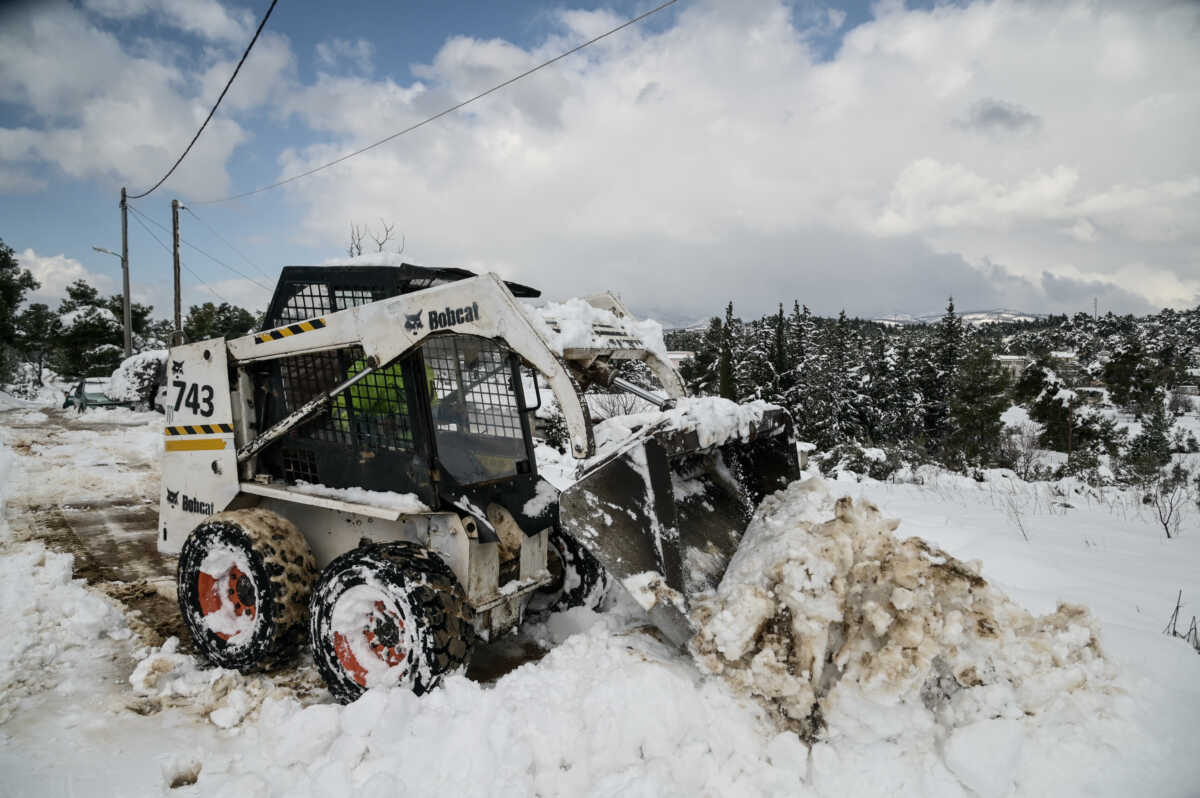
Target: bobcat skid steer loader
360, 474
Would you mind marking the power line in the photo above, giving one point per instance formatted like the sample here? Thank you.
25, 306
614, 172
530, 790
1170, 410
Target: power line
204, 124
440, 114
181, 263
213, 258
227, 243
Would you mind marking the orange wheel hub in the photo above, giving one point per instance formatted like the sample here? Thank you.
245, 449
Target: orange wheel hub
383, 633
239, 595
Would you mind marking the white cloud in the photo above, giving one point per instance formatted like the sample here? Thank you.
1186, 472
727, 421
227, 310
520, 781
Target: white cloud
263, 78
242, 293
358, 54
56, 272
107, 112
721, 158
1008, 152
1083, 231
206, 18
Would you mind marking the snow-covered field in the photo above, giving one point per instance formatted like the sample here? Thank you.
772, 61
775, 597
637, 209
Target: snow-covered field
87, 708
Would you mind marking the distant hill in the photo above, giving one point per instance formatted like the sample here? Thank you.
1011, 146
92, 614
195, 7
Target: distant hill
674, 322
974, 317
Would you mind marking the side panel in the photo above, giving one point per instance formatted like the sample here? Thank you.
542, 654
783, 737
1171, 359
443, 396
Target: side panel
331, 533
199, 465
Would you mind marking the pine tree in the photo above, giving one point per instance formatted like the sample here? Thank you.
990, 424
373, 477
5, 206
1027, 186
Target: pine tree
753, 372
938, 376
833, 418
14, 283
779, 348
979, 397
949, 342
876, 406
217, 321
89, 341
1150, 450
801, 334
37, 328
725, 384
700, 372
800, 396
903, 401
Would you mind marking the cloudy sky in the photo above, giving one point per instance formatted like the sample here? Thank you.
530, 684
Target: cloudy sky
873, 157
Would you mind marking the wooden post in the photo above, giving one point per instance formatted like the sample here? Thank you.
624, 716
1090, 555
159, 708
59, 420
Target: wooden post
177, 337
128, 321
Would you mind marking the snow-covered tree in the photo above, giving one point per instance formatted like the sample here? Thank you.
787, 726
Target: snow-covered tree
14, 283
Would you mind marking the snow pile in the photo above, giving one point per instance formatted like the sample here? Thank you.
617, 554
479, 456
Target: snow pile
367, 259
52, 623
850, 633
401, 502
138, 377
79, 465
573, 325
10, 402
546, 495
600, 715
7, 460
714, 420
226, 698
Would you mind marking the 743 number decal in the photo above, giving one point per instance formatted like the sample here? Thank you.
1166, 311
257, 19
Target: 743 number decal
194, 396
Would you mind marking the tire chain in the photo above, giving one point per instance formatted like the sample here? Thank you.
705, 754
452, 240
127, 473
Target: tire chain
436, 598
442, 602
290, 567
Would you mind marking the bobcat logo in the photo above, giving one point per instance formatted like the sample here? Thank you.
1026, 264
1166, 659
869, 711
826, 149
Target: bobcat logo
412, 321
176, 368
172, 497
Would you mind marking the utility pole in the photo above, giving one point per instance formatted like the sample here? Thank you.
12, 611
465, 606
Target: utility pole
177, 337
125, 274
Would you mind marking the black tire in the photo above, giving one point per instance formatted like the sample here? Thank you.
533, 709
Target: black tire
244, 581
579, 578
403, 620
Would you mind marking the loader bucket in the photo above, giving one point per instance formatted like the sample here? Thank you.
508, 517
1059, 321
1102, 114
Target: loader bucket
664, 514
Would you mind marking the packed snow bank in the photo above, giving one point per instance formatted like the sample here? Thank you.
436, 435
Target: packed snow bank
164, 677
600, 715
857, 638
51, 621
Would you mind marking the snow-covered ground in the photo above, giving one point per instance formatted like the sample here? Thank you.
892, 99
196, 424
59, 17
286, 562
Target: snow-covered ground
87, 708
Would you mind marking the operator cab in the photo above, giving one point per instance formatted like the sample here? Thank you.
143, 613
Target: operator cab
447, 421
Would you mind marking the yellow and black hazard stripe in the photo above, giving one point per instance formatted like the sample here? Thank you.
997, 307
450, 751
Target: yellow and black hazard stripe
289, 330
187, 438
201, 429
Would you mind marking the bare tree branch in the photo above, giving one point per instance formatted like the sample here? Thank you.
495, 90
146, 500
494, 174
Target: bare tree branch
356, 239
386, 237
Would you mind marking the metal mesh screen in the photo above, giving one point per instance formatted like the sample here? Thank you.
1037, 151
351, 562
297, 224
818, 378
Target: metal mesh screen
314, 299
371, 414
299, 464
476, 414
354, 296
308, 302
471, 387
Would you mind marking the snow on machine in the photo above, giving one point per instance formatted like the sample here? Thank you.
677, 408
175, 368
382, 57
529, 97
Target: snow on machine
361, 474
